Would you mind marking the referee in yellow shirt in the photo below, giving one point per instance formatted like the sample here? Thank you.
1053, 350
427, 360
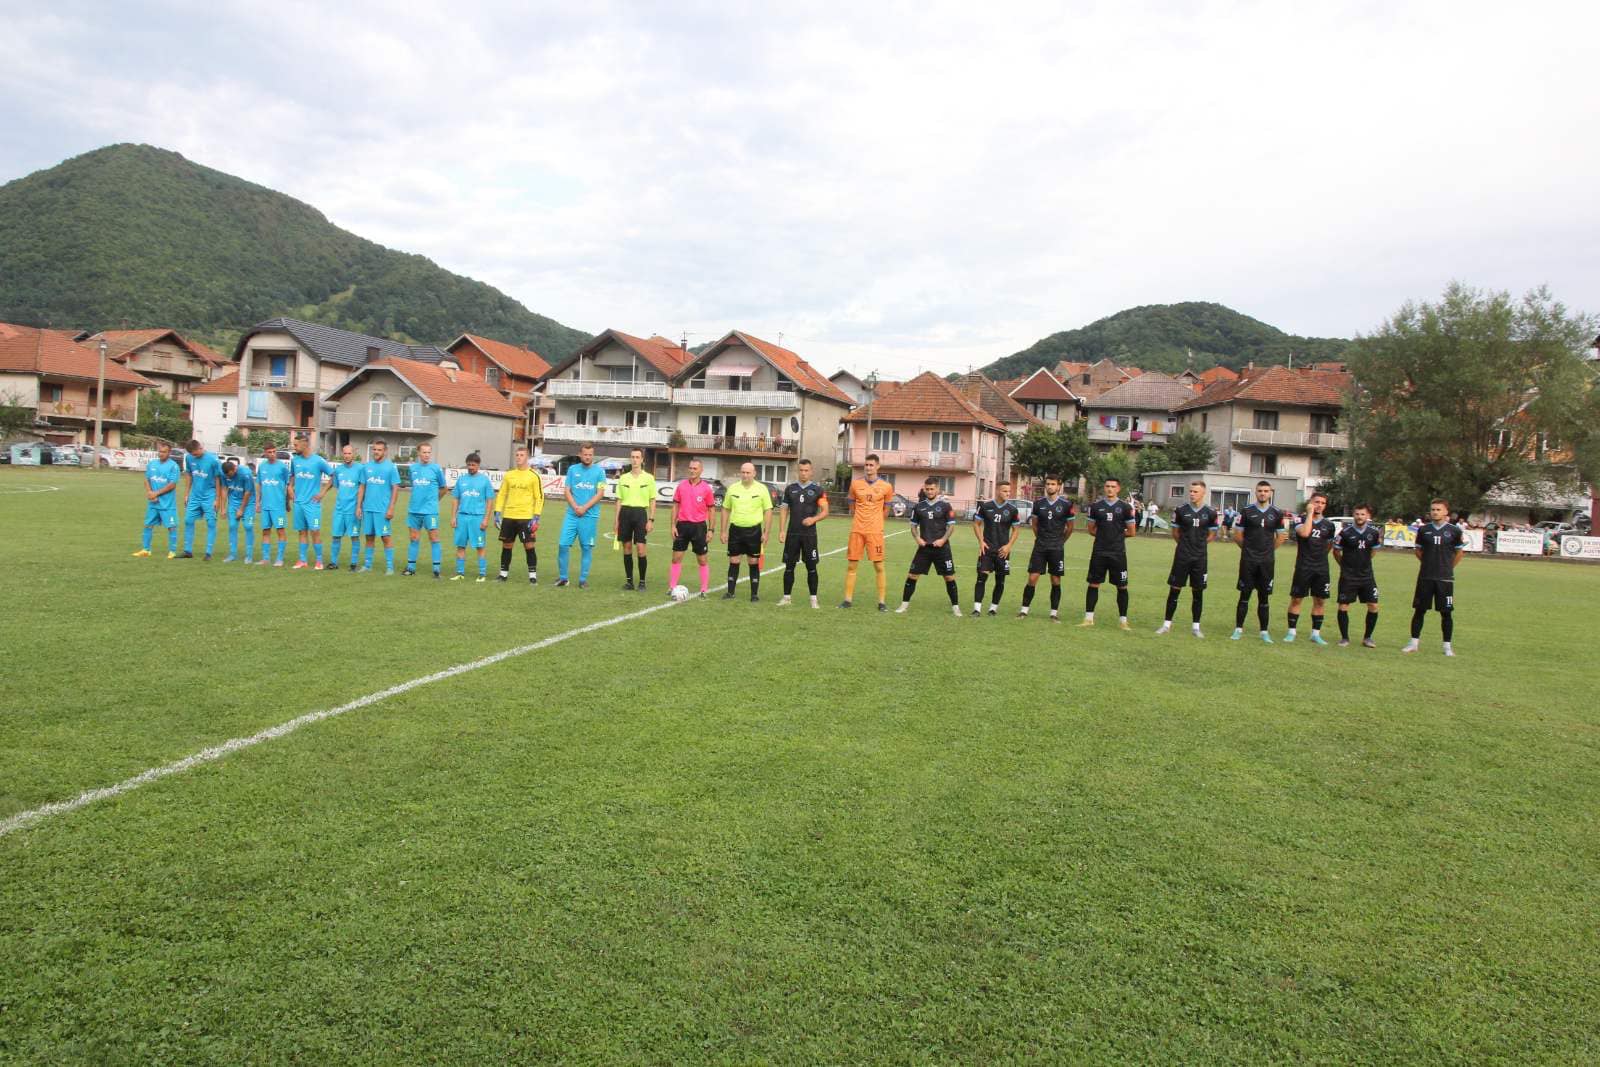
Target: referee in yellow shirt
636, 515
517, 508
744, 507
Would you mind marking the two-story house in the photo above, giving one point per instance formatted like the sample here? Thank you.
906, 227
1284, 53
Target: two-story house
742, 399
1014, 417
50, 372
1090, 381
406, 403
1044, 397
175, 363
927, 427
509, 368
1272, 421
288, 367
1136, 413
615, 391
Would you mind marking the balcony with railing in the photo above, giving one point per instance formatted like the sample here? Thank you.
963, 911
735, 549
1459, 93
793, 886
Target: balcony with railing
920, 460
394, 422
1107, 434
599, 389
284, 383
1291, 439
742, 443
769, 399
644, 436
84, 410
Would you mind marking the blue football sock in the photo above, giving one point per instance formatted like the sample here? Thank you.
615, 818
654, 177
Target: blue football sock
188, 534
279, 557
172, 539
461, 565
438, 554
302, 551
367, 561
249, 542
561, 562
483, 565
316, 550
338, 547
411, 556
586, 557
388, 558
149, 531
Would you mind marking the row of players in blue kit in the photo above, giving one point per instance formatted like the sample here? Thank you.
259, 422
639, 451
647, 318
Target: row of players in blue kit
281, 496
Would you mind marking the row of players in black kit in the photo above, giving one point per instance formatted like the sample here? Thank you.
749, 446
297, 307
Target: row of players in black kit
1261, 529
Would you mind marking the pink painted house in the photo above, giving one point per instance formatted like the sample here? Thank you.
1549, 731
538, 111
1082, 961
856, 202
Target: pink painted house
927, 427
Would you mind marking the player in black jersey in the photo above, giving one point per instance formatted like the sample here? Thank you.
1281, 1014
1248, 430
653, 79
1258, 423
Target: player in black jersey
1052, 526
1111, 523
933, 520
1259, 533
1439, 547
804, 505
1353, 549
1313, 536
1194, 526
996, 525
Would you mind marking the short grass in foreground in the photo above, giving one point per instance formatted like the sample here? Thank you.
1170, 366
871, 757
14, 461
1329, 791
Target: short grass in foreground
734, 832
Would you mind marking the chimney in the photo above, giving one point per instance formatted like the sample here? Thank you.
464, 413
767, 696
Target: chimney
683, 343
449, 370
373, 353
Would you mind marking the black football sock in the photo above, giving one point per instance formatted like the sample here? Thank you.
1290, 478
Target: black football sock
1372, 623
1447, 623
911, 587
1027, 595
999, 587
755, 579
977, 592
733, 577
1122, 601
788, 578
533, 558
1263, 614
1198, 597
1294, 619
950, 587
1172, 603
1240, 613
1344, 626
1090, 599
811, 578
642, 562
505, 559
1416, 622
1316, 623
1055, 599
627, 565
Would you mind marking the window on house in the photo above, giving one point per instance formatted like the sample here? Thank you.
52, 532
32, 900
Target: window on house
1324, 422
641, 419
378, 411
256, 404
740, 383
405, 453
492, 376
947, 486
1502, 439
587, 416
1177, 492
1050, 411
1265, 420
278, 370
224, 411
52, 394
946, 441
888, 440
1316, 468
411, 413
785, 385
163, 361
619, 374
773, 472
652, 376
698, 381
716, 425
1205, 421
1263, 463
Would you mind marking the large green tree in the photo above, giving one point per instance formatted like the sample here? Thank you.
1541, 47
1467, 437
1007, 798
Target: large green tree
1118, 463
1063, 452
163, 418
1476, 392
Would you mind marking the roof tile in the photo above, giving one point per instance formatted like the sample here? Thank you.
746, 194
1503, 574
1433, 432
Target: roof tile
927, 398
30, 350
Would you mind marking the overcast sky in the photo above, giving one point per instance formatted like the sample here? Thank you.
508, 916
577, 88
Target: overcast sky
888, 186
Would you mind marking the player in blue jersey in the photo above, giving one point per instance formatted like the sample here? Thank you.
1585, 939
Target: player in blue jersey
586, 490
203, 471
380, 488
306, 471
470, 497
161, 499
241, 486
272, 503
427, 482
346, 519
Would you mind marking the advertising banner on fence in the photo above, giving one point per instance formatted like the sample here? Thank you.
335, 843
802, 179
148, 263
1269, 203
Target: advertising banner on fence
1519, 543
1398, 535
1574, 546
1474, 540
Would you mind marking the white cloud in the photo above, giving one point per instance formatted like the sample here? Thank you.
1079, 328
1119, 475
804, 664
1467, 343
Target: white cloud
893, 186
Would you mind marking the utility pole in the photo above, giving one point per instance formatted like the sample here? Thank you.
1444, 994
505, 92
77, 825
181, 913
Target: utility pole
99, 407
872, 394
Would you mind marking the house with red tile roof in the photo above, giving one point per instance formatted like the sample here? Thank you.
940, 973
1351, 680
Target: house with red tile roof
175, 363
214, 408
513, 370
1217, 374
1136, 413
406, 403
1271, 421
1089, 381
744, 398
55, 375
929, 427
615, 391
1046, 398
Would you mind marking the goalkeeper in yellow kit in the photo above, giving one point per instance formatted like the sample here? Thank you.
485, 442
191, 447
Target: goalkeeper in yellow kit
517, 508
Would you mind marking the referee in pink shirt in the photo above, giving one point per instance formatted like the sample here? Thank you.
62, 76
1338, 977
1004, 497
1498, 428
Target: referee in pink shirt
692, 501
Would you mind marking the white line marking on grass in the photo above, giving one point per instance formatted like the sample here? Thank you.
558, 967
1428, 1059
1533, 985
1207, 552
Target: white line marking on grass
23, 819
18, 490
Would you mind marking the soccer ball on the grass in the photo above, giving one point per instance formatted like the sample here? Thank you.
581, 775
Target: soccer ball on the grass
680, 593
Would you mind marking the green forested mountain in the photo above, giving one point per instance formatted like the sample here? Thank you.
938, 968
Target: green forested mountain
140, 236
1161, 336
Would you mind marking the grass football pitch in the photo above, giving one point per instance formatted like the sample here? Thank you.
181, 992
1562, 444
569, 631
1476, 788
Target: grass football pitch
736, 833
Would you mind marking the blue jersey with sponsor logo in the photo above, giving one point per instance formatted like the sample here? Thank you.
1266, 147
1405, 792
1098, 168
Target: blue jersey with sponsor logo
158, 474
272, 482
473, 491
427, 480
346, 484
380, 477
204, 473
583, 483
307, 472
239, 486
